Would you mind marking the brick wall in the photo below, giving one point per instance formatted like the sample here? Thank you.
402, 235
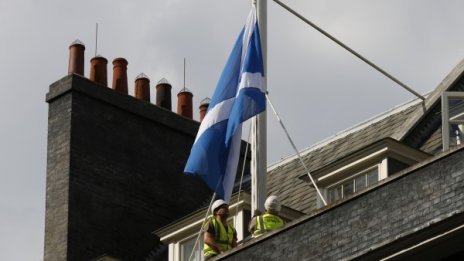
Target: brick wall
114, 172
58, 160
401, 207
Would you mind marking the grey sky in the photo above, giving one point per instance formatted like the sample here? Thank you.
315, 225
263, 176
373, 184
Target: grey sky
318, 88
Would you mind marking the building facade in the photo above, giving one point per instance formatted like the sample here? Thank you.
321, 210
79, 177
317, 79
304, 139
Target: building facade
115, 188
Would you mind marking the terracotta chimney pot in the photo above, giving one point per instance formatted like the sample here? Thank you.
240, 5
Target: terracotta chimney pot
163, 94
184, 103
76, 58
204, 104
142, 87
120, 75
98, 70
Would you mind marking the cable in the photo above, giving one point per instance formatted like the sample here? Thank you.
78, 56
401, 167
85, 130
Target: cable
294, 148
204, 222
241, 177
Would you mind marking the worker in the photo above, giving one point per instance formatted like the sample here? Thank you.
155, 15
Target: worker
219, 236
270, 220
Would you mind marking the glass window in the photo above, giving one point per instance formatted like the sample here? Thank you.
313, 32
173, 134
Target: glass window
335, 193
452, 119
456, 109
354, 184
360, 182
187, 246
348, 188
456, 119
372, 177
456, 133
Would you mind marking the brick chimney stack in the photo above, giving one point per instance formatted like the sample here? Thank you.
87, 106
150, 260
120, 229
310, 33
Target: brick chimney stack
98, 70
120, 75
184, 103
76, 58
163, 94
204, 104
142, 87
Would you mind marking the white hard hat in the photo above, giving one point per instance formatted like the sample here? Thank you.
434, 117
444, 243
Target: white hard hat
217, 204
272, 203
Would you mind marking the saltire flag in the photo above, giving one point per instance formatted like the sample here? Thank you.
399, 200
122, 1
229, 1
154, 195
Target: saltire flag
239, 95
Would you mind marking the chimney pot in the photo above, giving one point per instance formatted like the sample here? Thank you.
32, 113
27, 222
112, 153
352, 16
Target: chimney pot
163, 94
142, 87
120, 75
204, 104
76, 58
98, 70
184, 103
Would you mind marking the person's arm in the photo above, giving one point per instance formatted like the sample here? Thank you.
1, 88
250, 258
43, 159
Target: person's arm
234, 240
252, 225
211, 242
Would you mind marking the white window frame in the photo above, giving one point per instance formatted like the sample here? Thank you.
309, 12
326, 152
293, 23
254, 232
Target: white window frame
175, 248
376, 154
381, 172
199, 246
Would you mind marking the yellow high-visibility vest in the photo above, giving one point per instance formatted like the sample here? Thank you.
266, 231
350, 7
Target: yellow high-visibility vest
267, 222
223, 238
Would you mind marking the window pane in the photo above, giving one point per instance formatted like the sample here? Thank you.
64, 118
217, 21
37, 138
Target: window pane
360, 182
348, 188
456, 109
372, 176
455, 121
335, 193
456, 134
186, 249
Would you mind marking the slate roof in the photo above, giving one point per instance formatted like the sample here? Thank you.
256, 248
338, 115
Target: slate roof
416, 124
295, 193
452, 82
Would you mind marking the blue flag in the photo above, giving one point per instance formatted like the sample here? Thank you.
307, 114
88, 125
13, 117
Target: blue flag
239, 95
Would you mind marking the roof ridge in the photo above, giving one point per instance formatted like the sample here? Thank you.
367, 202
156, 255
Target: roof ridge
346, 132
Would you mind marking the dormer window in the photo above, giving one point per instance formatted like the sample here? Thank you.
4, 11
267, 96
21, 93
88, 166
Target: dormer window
364, 168
452, 119
353, 184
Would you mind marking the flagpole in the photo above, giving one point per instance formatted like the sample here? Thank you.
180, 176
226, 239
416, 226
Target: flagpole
258, 125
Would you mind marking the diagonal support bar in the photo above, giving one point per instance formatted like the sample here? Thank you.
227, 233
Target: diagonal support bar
296, 150
349, 49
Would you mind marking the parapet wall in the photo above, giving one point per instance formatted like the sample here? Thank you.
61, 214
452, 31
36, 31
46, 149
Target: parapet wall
418, 203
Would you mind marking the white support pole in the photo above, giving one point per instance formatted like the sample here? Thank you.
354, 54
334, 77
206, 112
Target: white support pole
259, 125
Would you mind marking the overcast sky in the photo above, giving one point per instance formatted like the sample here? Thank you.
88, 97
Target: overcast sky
318, 88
